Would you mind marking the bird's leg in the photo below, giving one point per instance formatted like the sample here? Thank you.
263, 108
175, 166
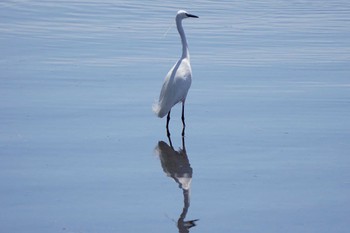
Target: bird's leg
167, 124
183, 144
183, 119
169, 138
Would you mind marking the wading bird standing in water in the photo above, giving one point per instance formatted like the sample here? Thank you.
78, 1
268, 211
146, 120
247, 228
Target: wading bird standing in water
178, 80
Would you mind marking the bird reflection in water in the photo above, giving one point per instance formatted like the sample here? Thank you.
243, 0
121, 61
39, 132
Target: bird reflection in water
176, 165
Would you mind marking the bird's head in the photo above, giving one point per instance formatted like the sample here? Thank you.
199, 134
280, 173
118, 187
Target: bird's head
181, 14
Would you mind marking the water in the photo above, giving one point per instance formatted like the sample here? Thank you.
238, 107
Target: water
266, 146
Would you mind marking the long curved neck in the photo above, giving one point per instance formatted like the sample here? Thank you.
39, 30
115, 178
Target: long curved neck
185, 53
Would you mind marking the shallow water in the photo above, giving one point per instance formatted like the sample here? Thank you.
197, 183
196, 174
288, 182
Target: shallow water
267, 117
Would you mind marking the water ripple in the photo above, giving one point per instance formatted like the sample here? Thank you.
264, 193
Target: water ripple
231, 33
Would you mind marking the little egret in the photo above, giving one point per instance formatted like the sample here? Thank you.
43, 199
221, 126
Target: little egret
178, 80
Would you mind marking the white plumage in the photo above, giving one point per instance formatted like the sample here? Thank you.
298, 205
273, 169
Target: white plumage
178, 80
175, 87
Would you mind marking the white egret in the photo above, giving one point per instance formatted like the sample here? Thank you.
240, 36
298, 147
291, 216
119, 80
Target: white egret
178, 80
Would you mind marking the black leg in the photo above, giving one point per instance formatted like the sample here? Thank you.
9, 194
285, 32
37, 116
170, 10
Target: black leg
183, 119
169, 138
167, 124
183, 144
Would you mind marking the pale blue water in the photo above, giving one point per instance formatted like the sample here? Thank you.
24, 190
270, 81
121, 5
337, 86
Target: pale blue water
267, 138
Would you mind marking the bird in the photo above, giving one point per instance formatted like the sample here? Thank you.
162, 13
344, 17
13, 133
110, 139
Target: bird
178, 80
176, 164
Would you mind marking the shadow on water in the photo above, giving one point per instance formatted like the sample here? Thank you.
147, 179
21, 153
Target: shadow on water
176, 165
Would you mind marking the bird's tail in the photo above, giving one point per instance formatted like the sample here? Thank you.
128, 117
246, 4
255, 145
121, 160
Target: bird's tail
157, 109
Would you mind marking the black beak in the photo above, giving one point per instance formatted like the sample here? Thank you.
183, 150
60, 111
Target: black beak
193, 16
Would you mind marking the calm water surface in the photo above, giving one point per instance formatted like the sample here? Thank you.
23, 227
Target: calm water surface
267, 138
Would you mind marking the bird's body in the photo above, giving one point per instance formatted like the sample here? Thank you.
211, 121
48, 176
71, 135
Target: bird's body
175, 87
178, 80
